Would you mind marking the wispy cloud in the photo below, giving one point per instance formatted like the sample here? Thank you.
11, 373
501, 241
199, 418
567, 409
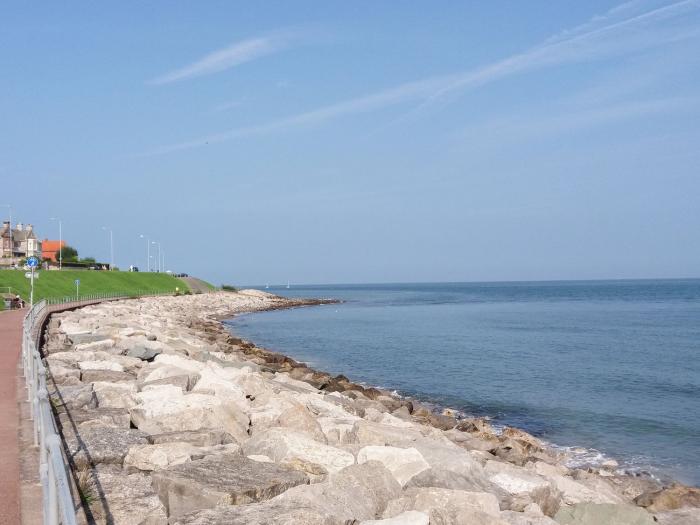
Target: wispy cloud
229, 105
231, 56
629, 27
539, 125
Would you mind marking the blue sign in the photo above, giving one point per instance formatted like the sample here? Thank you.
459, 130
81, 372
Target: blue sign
32, 262
77, 282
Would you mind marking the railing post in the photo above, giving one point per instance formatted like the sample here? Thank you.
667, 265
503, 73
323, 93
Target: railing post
52, 517
36, 430
44, 477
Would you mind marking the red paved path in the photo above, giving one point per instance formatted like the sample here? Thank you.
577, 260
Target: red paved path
10, 343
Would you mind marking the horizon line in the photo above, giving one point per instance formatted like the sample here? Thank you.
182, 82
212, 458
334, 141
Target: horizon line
498, 281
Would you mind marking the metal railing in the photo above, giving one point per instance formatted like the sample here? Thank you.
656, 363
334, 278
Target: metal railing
54, 471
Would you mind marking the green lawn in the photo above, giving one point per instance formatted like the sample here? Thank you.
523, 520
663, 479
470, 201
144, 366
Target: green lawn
55, 284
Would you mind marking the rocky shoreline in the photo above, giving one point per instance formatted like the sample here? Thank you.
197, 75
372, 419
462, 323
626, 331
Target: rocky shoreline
168, 418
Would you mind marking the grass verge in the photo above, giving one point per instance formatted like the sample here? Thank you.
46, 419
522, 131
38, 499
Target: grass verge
55, 284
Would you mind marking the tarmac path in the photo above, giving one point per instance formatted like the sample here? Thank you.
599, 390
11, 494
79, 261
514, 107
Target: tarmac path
10, 346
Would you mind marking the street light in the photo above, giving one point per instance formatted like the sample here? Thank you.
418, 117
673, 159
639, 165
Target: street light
148, 251
9, 207
158, 266
111, 247
60, 241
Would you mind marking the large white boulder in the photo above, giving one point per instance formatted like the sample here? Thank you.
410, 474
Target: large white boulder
403, 463
524, 486
175, 412
338, 430
153, 457
115, 395
219, 382
100, 365
180, 362
287, 446
445, 506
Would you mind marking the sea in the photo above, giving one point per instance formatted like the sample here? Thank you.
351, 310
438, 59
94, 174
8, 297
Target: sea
603, 369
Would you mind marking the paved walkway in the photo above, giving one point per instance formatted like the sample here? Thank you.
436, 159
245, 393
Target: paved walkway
10, 345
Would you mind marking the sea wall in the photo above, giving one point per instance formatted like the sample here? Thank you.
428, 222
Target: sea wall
167, 418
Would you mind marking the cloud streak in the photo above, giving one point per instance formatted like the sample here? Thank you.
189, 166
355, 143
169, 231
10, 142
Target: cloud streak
602, 37
519, 128
229, 57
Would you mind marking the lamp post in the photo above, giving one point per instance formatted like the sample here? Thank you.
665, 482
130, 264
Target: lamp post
158, 265
60, 241
9, 207
111, 247
148, 251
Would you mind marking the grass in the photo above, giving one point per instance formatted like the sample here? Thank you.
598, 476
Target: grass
86, 488
55, 284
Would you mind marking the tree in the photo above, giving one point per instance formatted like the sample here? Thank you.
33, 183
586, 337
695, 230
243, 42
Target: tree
67, 253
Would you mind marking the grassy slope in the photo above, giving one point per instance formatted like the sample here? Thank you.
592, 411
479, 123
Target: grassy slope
62, 284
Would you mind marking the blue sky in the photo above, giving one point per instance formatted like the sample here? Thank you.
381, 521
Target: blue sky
360, 141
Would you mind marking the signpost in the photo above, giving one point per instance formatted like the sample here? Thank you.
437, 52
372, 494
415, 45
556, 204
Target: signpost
77, 289
32, 263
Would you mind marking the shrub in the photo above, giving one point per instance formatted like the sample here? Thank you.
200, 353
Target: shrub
229, 288
67, 253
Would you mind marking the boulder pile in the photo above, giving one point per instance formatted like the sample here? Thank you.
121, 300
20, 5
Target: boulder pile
168, 418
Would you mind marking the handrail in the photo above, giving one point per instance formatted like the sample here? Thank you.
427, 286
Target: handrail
53, 468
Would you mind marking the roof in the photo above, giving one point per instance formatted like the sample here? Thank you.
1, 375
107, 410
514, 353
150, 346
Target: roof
19, 235
51, 246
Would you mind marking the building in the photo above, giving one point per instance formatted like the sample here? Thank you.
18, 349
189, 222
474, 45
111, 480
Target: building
49, 249
19, 242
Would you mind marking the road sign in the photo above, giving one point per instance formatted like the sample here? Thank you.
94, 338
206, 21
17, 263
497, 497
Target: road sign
32, 262
28, 275
77, 282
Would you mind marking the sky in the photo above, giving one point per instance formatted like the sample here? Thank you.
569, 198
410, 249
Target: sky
351, 142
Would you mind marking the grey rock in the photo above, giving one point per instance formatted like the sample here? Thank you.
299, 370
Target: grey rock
299, 418
599, 513
143, 352
123, 499
221, 480
110, 376
283, 445
198, 438
107, 417
186, 382
448, 507
63, 375
74, 397
267, 513
447, 479
83, 338
524, 486
358, 492
94, 445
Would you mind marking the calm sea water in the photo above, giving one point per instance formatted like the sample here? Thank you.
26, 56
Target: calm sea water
612, 366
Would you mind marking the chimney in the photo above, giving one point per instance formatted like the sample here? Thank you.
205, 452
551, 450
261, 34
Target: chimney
19, 227
29, 227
